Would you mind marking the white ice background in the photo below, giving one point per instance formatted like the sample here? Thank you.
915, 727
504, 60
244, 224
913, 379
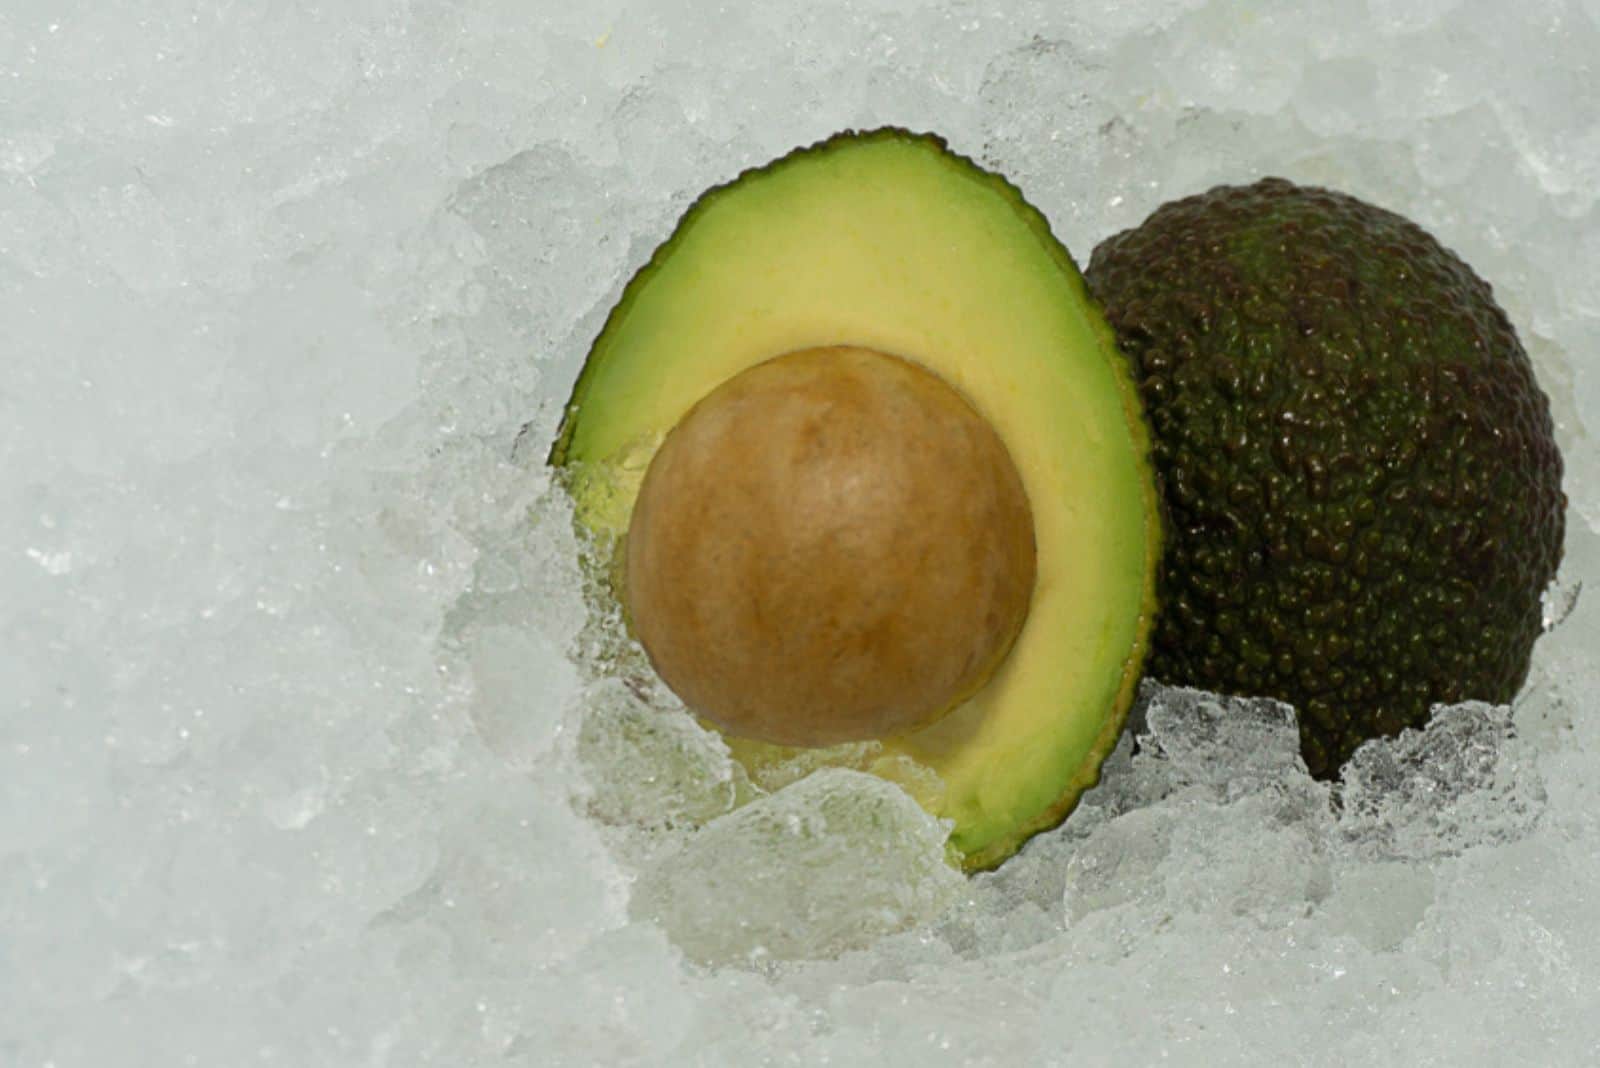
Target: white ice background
308, 755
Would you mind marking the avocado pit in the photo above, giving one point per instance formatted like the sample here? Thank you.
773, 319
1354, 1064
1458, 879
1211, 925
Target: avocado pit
831, 546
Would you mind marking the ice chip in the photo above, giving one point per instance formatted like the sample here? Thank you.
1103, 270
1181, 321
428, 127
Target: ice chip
1214, 815
1379, 903
827, 865
1409, 16
1118, 863
518, 675
650, 764
1045, 144
1241, 859
1464, 780
1335, 93
1558, 601
1230, 743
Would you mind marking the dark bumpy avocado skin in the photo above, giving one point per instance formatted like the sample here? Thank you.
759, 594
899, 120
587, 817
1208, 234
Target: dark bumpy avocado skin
1362, 486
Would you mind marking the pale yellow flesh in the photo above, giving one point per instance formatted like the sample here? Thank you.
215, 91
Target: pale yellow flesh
838, 249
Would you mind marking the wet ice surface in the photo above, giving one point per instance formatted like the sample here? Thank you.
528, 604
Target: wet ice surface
308, 753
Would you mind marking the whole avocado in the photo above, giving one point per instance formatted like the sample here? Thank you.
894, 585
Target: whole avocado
1362, 486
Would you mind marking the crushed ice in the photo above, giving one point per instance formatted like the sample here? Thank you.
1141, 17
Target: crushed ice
311, 752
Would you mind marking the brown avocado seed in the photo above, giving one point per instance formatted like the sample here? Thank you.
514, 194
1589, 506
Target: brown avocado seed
831, 546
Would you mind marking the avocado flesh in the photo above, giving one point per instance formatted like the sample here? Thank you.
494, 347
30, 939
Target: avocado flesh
1359, 469
889, 241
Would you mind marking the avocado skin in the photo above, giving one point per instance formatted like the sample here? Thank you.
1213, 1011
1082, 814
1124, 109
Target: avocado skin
1360, 478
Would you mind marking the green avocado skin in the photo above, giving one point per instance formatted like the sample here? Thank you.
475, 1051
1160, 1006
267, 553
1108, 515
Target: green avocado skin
1359, 472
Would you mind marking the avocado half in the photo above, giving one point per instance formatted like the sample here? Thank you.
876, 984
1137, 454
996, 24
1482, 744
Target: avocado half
1360, 471
889, 241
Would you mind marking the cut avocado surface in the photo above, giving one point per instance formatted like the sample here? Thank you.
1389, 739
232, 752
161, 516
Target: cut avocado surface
1359, 469
889, 242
